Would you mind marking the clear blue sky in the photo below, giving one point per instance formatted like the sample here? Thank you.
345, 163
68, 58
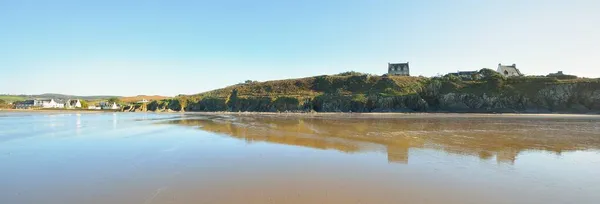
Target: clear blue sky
184, 47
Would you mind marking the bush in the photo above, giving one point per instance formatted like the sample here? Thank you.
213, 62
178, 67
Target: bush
564, 77
351, 73
84, 104
531, 79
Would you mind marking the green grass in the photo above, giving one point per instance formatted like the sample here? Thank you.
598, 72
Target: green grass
10, 99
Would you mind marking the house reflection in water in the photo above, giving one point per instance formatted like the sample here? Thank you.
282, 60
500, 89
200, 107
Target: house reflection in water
502, 138
398, 150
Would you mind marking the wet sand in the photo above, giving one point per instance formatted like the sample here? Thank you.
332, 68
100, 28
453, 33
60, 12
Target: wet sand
299, 158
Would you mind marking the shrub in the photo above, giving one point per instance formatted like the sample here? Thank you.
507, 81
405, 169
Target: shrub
531, 79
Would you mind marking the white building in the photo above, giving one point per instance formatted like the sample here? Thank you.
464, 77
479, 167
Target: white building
48, 103
73, 103
43, 103
509, 70
107, 105
94, 107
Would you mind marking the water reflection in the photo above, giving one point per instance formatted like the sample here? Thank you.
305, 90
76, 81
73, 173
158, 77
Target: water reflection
499, 138
114, 120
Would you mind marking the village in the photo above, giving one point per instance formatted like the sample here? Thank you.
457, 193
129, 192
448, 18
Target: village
65, 104
395, 69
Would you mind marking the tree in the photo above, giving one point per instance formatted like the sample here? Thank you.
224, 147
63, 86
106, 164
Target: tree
114, 100
490, 74
2, 101
183, 104
153, 105
84, 104
492, 77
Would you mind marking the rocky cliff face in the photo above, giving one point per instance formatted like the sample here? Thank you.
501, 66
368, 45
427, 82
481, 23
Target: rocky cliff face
565, 97
365, 93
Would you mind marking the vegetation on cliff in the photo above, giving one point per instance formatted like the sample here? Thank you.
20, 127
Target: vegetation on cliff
487, 91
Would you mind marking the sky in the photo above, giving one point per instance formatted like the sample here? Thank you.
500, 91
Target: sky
114, 47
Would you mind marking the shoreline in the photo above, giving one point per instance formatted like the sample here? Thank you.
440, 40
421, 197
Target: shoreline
324, 114
394, 115
57, 111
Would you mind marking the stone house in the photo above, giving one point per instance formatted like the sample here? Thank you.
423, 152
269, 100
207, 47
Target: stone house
559, 73
509, 70
467, 75
400, 69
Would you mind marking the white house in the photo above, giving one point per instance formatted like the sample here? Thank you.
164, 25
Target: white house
114, 106
48, 103
93, 107
509, 70
107, 105
73, 103
43, 103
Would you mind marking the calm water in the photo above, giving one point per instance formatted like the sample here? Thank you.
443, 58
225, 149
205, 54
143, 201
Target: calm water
162, 158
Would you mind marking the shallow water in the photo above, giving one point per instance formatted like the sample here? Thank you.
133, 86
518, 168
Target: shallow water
174, 158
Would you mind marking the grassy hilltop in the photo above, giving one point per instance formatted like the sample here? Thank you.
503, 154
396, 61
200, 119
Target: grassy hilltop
356, 92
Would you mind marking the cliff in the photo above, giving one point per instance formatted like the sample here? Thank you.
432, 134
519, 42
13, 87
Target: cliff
485, 92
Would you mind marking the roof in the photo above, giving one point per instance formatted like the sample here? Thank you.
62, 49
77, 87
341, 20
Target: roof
513, 69
27, 102
404, 65
73, 102
508, 66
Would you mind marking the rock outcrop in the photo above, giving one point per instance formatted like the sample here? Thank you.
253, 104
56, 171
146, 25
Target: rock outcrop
490, 93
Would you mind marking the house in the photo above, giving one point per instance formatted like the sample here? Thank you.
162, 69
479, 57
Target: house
42, 103
108, 105
400, 69
25, 104
466, 75
509, 70
94, 107
48, 103
559, 73
73, 103
143, 101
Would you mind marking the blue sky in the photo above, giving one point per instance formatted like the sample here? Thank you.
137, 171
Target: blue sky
186, 47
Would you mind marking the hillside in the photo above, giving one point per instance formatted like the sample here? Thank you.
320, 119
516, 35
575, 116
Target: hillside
133, 99
356, 92
11, 98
